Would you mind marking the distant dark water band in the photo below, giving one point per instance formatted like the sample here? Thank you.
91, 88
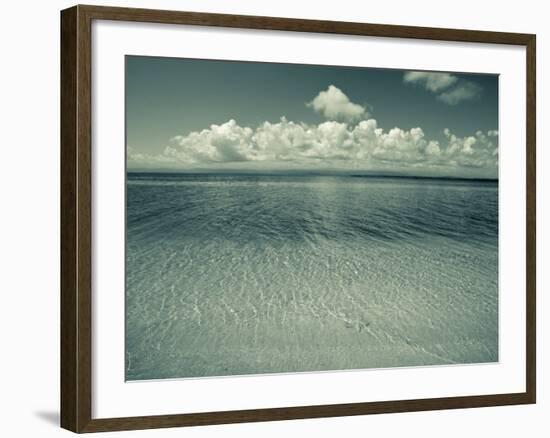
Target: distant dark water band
303, 208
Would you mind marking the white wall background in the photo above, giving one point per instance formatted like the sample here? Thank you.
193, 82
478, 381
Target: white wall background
29, 217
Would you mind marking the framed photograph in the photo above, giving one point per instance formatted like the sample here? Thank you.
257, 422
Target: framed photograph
270, 218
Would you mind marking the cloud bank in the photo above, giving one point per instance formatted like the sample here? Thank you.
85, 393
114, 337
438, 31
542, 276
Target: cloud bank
449, 88
330, 144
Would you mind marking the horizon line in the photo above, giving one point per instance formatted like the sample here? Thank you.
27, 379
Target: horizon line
359, 174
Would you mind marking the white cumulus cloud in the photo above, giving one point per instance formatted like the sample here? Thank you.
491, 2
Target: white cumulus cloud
228, 142
333, 104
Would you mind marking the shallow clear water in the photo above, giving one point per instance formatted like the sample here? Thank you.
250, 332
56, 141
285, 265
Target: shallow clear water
248, 274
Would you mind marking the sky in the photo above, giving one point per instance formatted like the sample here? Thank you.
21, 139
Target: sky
207, 115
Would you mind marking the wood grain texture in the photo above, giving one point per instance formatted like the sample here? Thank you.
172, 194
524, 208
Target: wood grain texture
531, 216
303, 412
69, 376
299, 25
76, 252
76, 218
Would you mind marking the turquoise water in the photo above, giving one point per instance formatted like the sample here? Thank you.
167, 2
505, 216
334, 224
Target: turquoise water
249, 274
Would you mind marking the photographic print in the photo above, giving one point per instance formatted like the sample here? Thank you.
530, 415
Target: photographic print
285, 218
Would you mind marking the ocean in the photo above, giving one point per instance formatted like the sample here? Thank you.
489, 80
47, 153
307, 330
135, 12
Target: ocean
247, 274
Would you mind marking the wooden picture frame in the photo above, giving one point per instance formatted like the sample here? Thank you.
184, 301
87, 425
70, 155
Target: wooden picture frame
76, 218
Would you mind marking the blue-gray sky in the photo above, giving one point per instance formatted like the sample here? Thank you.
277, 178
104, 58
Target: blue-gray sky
188, 114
